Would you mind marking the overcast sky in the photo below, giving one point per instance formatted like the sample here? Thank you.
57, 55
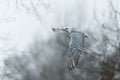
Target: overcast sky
21, 27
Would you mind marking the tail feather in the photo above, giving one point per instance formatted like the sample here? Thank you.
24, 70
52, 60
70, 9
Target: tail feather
73, 62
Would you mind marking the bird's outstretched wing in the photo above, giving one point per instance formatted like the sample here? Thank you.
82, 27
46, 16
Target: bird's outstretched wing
76, 48
73, 61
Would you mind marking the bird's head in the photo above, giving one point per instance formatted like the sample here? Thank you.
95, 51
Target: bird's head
61, 29
69, 30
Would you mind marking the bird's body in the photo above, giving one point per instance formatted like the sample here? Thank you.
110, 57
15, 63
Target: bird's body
76, 46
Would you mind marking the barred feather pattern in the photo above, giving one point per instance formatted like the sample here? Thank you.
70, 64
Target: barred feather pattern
76, 48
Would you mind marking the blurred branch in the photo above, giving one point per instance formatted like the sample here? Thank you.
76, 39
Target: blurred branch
115, 12
7, 48
95, 18
36, 11
108, 28
113, 8
113, 16
23, 5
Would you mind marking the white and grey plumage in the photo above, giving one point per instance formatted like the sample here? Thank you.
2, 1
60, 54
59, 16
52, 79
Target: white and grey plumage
76, 46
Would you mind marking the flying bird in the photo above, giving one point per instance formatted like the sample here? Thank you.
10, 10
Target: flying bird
76, 46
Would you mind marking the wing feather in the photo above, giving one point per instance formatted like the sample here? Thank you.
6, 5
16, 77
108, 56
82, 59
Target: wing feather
76, 48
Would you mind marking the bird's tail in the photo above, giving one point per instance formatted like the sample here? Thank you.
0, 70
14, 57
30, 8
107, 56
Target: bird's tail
71, 64
73, 61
